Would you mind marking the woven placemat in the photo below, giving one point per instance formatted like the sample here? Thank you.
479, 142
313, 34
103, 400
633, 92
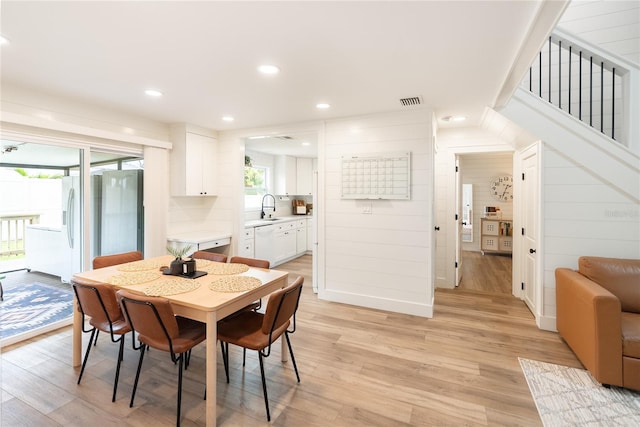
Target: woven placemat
234, 284
201, 264
171, 286
143, 265
221, 268
134, 278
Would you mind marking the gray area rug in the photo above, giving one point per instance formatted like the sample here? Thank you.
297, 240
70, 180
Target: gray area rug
567, 396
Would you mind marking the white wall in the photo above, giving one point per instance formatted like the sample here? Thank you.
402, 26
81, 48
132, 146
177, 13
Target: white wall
478, 170
590, 193
383, 259
453, 142
582, 215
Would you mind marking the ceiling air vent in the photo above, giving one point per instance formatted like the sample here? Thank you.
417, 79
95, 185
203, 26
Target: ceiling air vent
411, 102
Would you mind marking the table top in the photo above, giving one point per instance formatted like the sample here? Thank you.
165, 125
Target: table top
203, 298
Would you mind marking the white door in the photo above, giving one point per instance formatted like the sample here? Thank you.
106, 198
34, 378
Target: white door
529, 255
458, 268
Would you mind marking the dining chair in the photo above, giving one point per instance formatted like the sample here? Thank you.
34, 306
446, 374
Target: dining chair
251, 262
210, 256
158, 327
257, 331
257, 305
98, 302
115, 259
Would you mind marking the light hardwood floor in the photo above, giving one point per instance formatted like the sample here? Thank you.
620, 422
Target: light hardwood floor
358, 367
488, 273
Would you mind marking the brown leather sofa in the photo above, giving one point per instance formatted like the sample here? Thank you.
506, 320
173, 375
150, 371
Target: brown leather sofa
598, 315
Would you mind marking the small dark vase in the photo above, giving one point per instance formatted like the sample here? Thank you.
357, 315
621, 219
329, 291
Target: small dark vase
175, 267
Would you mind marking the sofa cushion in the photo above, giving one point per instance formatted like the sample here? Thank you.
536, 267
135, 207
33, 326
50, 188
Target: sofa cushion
619, 276
631, 335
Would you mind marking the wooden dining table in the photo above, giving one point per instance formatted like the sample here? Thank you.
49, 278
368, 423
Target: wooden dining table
202, 304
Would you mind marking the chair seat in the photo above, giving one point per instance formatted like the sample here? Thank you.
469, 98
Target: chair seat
245, 330
191, 333
120, 326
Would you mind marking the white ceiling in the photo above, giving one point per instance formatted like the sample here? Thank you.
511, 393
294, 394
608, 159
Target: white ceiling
361, 57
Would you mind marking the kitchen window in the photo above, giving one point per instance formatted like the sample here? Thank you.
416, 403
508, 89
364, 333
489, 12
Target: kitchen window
255, 186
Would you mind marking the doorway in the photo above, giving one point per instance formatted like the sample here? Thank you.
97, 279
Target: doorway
43, 218
488, 272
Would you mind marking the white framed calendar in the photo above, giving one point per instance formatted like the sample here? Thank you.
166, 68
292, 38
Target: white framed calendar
377, 176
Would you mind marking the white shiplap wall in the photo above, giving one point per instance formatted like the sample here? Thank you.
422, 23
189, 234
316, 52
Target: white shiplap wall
479, 169
452, 143
611, 25
582, 215
383, 259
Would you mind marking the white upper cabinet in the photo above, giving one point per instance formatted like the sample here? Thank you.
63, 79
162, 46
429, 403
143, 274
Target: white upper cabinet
194, 160
304, 176
285, 175
294, 176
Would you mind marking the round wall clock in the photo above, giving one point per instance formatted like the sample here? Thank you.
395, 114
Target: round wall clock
501, 188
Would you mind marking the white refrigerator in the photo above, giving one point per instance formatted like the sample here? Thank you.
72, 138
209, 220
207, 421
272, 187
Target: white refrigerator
71, 244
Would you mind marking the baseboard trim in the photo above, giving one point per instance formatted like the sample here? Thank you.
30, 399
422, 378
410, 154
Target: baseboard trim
396, 306
547, 323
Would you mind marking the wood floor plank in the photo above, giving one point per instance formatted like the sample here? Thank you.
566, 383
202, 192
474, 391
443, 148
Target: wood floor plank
358, 367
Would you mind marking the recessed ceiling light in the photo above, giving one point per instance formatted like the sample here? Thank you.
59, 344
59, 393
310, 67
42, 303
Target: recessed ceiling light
454, 118
257, 137
322, 106
227, 118
4, 40
306, 144
153, 92
268, 69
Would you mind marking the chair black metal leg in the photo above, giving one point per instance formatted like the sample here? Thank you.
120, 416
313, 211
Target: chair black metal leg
135, 383
225, 359
264, 385
293, 359
244, 356
180, 364
86, 355
120, 357
95, 341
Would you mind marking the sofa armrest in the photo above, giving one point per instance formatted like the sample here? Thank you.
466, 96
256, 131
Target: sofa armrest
588, 318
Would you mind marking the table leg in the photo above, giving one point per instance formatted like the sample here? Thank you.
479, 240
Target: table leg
284, 350
212, 337
77, 334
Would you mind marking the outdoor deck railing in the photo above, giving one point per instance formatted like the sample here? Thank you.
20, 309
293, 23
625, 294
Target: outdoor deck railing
12, 232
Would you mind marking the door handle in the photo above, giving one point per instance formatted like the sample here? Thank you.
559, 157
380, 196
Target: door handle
532, 251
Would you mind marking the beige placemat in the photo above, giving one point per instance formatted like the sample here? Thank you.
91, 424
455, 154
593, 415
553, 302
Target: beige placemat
134, 278
222, 268
234, 284
171, 286
203, 263
142, 265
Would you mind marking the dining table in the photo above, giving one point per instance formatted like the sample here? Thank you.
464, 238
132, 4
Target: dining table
207, 298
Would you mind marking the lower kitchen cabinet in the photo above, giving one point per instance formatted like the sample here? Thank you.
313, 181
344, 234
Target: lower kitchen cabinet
285, 242
301, 237
246, 248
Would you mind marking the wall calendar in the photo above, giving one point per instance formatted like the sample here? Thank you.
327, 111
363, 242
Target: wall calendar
377, 176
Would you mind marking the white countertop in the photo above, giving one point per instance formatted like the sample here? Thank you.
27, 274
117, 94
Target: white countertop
279, 220
198, 236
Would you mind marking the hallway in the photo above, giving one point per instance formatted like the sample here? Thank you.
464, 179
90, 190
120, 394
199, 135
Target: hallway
487, 273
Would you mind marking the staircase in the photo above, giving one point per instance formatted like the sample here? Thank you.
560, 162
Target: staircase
583, 103
591, 85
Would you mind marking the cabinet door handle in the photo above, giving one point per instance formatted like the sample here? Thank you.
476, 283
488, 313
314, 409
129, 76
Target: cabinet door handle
437, 228
532, 251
